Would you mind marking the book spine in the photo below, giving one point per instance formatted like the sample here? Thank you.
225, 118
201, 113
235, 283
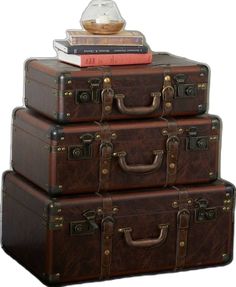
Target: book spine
115, 59
108, 50
117, 41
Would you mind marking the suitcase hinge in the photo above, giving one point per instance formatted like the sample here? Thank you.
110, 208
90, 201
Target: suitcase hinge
203, 213
55, 220
194, 142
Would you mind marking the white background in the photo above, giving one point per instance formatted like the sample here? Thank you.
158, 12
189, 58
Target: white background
201, 30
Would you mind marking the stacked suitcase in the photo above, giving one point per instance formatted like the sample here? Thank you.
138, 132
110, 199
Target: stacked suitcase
116, 172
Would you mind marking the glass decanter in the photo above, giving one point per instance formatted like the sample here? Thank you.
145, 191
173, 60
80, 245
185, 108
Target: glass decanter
102, 17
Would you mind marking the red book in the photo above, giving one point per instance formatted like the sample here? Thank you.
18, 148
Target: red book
105, 59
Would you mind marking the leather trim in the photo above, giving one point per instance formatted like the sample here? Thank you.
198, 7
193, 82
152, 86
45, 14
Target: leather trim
107, 229
183, 220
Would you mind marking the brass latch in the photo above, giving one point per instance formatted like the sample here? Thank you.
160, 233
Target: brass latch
203, 213
83, 151
194, 142
85, 227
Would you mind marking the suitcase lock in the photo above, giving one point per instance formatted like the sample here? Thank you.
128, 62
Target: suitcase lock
85, 227
203, 213
83, 151
184, 90
89, 96
194, 142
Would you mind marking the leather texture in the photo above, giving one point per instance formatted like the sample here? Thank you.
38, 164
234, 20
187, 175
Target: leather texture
167, 233
115, 155
66, 93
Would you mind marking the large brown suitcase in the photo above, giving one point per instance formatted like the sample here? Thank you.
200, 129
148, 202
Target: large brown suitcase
92, 237
98, 157
171, 85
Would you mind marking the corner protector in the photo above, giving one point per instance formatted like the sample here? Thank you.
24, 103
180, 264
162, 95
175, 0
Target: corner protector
61, 118
205, 69
55, 190
56, 133
230, 188
216, 122
51, 278
227, 259
15, 112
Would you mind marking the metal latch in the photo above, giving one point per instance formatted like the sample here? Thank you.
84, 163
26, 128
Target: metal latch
83, 151
184, 90
87, 96
203, 213
194, 142
85, 227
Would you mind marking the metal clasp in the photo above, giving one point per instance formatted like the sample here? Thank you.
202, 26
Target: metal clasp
184, 90
194, 142
203, 213
83, 151
85, 227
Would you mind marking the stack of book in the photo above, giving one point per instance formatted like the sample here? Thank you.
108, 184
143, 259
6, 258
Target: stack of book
84, 49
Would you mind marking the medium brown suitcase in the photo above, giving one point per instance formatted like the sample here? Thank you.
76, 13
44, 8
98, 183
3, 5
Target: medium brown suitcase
95, 237
171, 85
120, 155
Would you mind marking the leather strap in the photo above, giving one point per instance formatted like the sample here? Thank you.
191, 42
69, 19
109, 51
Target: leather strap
107, 95
107, 229
106, 150
172, 149
183, 220
167, 93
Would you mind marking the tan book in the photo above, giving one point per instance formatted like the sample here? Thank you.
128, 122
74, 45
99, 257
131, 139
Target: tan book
124, 38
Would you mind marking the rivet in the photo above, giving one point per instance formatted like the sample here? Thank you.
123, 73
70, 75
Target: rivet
182, 244
69, 82
225, 201
107, 108
175, 204
114, 136
172, 166
225, 257
115, 154
59, 210
168, 105
63, 149
228, 208
224, 208
107, 81
172, 156
115, 209
227, 194
68, 114
60, 186
167, 78
105, 171
98, 137
62, 138
200, 107
211, 173
164, 132
70, 94
190, 202
100, 211
66, 93
107, 252
181, 131
229, 201
120, 230
59, 149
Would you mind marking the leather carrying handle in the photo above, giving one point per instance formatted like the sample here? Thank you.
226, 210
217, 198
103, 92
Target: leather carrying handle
138, 110
145, 242
140, 168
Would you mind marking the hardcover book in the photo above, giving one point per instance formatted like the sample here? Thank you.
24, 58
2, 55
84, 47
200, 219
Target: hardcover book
65, 46
124, 38
105, 59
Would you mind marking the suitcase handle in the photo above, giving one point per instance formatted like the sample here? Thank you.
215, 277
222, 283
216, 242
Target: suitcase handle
140, 168
145, 242
138, 110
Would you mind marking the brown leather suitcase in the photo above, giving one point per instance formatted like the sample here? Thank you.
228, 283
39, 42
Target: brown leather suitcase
95, 157
170, 86
95, 237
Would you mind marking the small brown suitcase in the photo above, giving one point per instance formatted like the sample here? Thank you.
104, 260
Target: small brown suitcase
170, 86
95, 237
120, 155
